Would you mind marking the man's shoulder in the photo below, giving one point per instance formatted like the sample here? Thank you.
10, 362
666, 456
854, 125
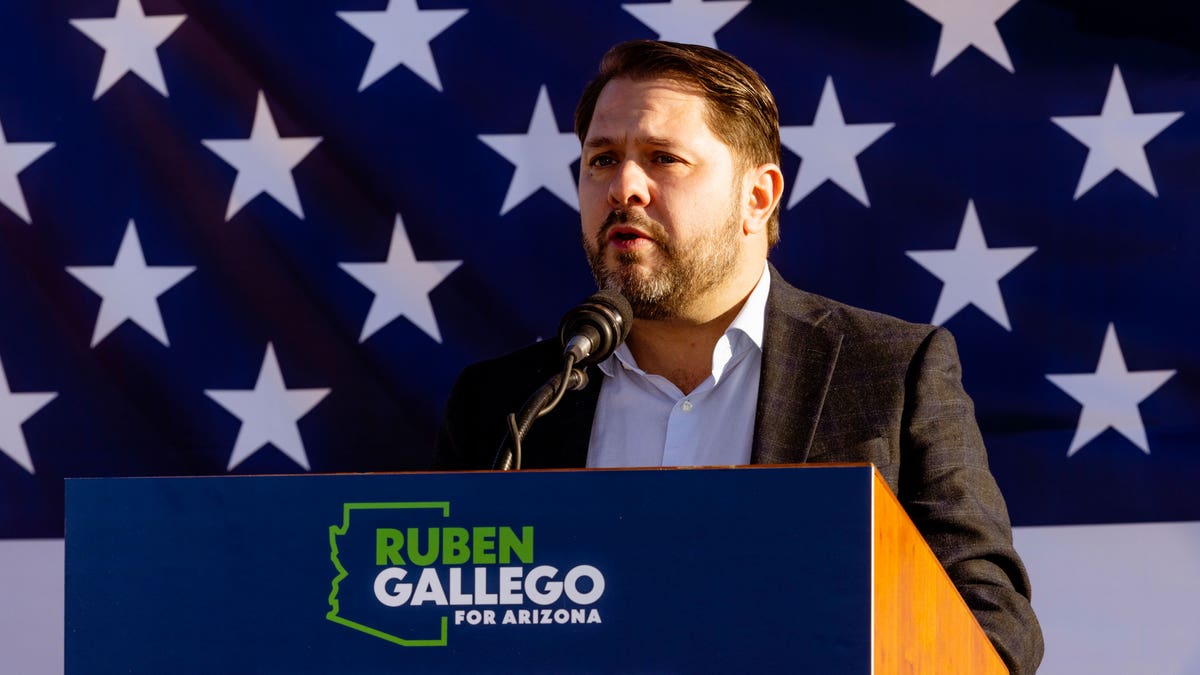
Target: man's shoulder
865, 339
834, 316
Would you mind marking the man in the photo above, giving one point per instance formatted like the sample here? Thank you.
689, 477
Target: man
726, 363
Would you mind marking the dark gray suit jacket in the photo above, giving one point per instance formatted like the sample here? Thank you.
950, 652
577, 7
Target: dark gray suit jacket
838, 384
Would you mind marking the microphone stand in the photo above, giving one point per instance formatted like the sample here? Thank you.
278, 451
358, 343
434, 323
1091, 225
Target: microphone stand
538, 404
589, 333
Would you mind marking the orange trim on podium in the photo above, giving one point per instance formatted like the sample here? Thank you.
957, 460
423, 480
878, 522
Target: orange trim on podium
921, 623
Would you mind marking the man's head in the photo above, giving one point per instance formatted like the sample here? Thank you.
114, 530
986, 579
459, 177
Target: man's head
740, 109
679, 185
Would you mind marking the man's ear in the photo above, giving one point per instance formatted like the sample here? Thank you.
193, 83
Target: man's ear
766, 189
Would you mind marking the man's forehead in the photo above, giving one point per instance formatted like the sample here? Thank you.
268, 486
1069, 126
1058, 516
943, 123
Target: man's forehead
657, 100
665, 88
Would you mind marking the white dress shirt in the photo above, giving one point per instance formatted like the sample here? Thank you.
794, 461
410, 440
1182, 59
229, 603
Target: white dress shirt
645, 420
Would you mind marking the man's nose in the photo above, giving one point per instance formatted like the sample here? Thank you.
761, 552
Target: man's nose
630, 186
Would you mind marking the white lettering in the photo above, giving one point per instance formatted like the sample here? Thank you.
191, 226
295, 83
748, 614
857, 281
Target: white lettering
457, 597
572, 585
582, 585
482, 597
510, 586
398, 594
535, 617
429, 589
553, 588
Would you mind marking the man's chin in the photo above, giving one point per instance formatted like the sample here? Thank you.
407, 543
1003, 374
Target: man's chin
631, 275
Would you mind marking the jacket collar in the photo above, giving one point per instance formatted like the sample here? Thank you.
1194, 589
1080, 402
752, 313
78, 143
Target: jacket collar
799, 354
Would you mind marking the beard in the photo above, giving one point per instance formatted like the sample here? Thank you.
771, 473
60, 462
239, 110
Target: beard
684, 274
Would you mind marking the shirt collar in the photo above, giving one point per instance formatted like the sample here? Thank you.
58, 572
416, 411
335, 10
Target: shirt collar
753, 317
749, 322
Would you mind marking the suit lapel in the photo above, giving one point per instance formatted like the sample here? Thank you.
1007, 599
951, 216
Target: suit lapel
797, 364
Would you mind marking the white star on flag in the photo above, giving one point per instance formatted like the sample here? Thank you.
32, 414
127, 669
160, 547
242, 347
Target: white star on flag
401, 34
543, 157
971, 272
687, 21
130, 288
130, 41
401, 286
264, 162
269, 413
1116, 138
829, 149
14, 410
1110, 396
967, 23
14, 157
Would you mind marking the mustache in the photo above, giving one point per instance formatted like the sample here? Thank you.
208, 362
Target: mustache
652, 228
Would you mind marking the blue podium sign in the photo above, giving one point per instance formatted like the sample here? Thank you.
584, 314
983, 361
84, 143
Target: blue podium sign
759, 569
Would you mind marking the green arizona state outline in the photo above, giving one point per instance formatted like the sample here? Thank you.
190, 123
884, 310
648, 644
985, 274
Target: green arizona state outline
334, 606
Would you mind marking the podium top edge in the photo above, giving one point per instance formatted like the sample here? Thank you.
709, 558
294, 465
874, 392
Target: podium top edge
742, 467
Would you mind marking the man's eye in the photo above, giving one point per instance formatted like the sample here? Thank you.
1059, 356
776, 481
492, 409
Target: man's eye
602, 160
665, 159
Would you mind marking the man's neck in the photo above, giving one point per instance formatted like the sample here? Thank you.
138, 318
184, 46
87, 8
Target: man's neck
681, 349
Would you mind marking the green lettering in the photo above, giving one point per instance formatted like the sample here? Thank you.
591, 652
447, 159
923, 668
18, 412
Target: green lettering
454, 546
483, 543
414, 542
388, 543
510, 543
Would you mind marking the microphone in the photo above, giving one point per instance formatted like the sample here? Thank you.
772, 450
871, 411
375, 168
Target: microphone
593, 330
589, 333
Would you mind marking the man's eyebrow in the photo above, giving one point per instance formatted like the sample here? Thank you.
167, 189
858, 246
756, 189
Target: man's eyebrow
598, 142
605, 141
656, 140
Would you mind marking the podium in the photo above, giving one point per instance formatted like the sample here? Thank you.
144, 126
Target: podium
803, 569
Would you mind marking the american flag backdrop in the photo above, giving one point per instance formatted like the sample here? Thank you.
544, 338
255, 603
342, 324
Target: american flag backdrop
264, 237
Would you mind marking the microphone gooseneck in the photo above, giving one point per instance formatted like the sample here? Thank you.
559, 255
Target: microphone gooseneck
590, 333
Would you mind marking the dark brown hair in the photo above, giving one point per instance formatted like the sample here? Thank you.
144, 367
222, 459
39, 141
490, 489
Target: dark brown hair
740, 108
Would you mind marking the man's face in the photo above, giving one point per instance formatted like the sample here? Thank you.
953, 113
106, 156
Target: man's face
659, 198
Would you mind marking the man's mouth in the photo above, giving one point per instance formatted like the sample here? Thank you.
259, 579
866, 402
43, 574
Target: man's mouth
624, 238
630, 232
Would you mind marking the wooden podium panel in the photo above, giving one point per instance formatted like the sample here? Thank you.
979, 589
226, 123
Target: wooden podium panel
921, 624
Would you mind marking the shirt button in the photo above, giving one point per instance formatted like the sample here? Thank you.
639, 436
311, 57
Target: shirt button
686, 406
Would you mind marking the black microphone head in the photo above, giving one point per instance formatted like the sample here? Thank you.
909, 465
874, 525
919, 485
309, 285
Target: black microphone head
621, 309
604, 319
